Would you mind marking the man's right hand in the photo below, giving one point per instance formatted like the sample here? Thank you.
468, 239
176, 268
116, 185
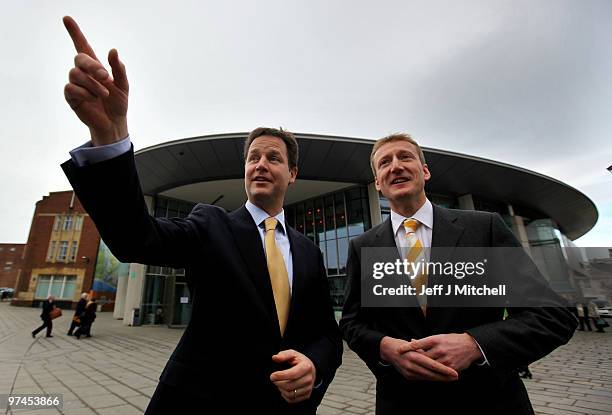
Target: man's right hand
98, 99
412, 364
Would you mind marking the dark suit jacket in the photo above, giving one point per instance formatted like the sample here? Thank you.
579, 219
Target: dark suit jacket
527, 335
80, 308
47, 308
224, 358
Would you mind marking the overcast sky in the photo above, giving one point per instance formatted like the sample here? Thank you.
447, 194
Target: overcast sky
524, 82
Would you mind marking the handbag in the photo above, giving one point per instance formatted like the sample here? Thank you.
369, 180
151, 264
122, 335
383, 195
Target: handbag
55, 313
600, 322
76, 319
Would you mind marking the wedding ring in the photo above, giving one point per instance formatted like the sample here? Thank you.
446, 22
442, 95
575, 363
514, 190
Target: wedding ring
294, 393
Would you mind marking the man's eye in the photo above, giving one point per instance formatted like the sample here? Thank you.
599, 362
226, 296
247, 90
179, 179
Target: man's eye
383, 162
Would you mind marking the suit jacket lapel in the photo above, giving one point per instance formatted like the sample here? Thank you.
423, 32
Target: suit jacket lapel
445, 238
446, 232
386, 238
251, 249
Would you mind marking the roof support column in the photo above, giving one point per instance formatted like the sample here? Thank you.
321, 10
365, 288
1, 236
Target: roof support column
518, 227
466, 202
135, 283
374, 201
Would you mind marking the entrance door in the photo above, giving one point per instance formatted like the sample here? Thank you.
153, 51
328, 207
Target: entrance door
182, 304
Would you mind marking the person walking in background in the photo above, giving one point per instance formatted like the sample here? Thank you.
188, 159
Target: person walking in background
598, 322
583, 316
87, 318
45, 316
80, 308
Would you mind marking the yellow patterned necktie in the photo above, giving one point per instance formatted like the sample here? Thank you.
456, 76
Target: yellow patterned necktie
414, 254
278, 274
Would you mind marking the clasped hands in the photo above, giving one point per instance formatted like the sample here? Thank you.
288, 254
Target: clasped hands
435, 358
296, 383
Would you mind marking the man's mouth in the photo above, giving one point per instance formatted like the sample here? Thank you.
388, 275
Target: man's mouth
399, 180
261, 179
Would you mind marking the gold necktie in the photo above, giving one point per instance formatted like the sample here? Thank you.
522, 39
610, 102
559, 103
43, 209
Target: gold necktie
278, 275
414, 254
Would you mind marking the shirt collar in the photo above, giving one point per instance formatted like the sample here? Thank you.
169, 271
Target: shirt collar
423, 215
259, 215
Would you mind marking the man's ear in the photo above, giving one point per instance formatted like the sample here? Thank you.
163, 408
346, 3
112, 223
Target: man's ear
293, 175
376, 183
426, 173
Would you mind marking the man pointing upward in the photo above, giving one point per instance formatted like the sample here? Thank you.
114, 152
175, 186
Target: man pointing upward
262, 337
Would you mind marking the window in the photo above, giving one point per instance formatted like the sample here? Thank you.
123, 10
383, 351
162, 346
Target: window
59, 286
12, 249
78, 223
51, 251
63, 251
67, 223
57, 223
9, 262
7, 268
73, 250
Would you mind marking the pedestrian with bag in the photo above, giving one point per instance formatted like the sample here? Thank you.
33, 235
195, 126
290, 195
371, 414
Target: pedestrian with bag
87, 318
598, 322
47, 315
80, 308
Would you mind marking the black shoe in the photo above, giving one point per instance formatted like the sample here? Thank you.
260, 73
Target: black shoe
33, 335
89, 335
78, 336
48, 335
69, 334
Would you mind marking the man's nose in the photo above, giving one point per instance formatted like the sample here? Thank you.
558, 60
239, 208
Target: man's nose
396, 165
262, 164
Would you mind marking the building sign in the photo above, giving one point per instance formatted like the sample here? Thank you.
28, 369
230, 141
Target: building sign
108, 271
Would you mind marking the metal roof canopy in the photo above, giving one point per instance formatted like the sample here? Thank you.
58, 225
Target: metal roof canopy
347, 160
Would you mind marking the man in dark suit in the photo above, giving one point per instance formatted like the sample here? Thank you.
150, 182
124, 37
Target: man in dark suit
45, 316
80, 308
431, 358
262, 336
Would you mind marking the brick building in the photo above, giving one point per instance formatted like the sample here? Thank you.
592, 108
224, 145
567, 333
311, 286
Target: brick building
10, 264
60, 255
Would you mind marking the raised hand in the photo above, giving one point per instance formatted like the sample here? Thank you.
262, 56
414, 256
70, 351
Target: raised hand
98, 99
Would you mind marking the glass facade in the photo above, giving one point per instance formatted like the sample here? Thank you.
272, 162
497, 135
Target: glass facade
330, 221
166, 299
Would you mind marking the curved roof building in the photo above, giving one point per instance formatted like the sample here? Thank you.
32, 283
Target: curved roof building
334, 199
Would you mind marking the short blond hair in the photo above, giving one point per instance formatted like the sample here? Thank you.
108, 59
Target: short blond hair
390, 139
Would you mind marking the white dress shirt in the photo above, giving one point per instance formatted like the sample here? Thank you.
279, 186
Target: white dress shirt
425, 216
88, 154
280, 235
424, 233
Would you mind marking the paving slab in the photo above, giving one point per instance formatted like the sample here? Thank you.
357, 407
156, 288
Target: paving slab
116, 371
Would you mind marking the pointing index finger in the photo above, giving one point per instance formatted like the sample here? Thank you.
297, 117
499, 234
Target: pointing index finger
78, 38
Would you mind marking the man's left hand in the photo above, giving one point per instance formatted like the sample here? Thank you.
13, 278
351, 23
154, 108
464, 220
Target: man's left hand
458, 351
295, 384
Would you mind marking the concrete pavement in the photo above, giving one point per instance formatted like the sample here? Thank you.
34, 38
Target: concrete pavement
116, 371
